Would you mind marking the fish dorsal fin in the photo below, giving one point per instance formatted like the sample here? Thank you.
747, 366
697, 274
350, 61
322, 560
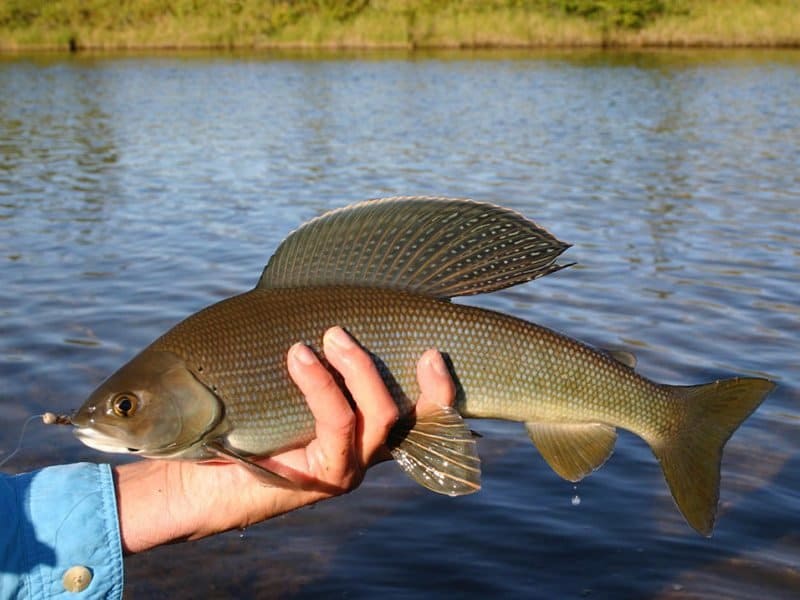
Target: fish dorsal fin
439, 247
622, 356
573, 450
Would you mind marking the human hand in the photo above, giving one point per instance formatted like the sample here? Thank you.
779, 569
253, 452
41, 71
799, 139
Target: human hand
165, 501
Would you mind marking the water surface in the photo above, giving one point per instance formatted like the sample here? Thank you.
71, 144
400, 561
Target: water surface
135, 190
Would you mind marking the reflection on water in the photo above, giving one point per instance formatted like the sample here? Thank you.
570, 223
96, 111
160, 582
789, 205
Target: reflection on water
136, 189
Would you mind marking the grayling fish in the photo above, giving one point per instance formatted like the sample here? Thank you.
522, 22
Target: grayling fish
216, 384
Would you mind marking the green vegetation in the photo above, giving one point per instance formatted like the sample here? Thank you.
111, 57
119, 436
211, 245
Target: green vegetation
107, 24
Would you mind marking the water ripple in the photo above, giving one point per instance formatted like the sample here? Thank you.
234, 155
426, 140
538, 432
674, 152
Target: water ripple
136, 190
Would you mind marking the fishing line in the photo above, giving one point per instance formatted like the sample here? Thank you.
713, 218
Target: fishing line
47, 418
21, 436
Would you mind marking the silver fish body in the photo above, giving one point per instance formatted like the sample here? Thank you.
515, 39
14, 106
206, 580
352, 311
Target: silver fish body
216, 384
506, 368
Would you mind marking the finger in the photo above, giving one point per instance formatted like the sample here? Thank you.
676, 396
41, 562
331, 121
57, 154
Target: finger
335, 421
376, 410
436, 385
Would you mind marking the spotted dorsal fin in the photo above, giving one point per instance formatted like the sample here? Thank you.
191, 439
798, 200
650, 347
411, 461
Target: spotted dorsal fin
439, 247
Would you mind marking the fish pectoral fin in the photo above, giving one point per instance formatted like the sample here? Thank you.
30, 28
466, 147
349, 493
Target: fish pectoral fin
573, 450
439, 452
270, 478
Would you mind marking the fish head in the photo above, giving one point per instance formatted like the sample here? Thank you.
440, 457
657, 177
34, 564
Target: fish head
152, 406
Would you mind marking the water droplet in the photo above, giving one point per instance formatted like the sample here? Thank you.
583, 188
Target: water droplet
242, 532
576, 500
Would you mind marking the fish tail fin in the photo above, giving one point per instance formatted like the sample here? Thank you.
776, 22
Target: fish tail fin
439, 452
691, 457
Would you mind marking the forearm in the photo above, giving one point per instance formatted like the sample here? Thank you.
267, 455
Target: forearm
144, 495
163, 501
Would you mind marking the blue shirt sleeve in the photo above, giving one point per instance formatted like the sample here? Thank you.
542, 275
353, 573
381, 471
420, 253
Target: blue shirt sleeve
60, 528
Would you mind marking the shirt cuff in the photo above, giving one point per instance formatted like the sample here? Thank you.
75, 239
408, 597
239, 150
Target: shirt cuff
68, 532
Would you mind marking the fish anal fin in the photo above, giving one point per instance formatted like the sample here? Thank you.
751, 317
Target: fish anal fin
573, 450
270, 478
439, 452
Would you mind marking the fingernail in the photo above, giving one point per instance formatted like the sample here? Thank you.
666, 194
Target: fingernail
436, 361
339, 338
303, 354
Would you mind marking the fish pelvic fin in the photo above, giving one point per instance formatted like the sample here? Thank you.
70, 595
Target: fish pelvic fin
573, 450
691, 457
439, 452
436, 247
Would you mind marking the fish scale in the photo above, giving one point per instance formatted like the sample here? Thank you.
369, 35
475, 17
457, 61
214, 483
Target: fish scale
217, 386
237, 348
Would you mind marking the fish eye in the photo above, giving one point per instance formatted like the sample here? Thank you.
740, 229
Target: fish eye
124, 405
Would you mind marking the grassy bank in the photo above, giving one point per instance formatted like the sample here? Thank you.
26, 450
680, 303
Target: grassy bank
121, 24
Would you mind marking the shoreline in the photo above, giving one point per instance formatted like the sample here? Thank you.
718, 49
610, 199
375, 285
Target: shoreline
334, 47
408, 25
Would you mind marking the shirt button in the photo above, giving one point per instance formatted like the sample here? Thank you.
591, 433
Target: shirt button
76, 579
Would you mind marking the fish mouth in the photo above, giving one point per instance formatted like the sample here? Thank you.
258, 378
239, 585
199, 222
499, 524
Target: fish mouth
102, 441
